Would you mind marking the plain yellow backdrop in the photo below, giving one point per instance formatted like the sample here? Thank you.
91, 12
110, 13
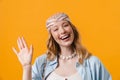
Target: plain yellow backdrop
98, 22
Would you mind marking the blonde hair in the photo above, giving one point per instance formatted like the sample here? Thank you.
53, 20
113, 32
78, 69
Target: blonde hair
54, 49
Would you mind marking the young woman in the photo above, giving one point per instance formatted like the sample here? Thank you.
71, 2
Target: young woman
66, 58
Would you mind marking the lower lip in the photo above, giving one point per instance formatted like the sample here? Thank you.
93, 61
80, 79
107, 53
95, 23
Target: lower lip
66, 39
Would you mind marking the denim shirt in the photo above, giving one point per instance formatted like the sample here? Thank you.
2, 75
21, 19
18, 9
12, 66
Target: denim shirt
91, 69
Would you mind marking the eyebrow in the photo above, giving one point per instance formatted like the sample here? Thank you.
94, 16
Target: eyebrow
53, 26
64, 23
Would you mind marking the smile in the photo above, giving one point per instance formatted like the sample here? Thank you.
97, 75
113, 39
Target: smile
65, 37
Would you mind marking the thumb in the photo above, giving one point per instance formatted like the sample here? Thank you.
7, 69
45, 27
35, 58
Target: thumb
14, 50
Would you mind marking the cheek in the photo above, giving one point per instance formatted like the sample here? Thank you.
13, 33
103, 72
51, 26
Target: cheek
72, 33
55, 36
70, 30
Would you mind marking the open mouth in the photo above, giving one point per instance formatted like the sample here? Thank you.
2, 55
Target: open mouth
65, 37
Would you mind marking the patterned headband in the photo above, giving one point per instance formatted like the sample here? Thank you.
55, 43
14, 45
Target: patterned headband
56, 17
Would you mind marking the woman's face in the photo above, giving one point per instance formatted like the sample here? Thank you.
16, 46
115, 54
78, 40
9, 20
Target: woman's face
62, 33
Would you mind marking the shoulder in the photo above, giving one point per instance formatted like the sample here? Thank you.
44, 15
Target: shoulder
41, 59
93, 61
39, 64
97, 68
95, 64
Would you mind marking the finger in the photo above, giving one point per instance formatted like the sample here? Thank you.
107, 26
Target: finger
19, 44
31, 49
14, 50
24, 42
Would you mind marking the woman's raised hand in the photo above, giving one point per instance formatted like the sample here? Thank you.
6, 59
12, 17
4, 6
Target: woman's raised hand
25, 53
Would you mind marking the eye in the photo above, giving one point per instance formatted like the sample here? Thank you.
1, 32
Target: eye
65, 25
55, 29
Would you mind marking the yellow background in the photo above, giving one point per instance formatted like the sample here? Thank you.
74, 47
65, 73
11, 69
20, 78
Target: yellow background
98, 22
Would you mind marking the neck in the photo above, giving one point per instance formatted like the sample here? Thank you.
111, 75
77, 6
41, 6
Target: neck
66, 51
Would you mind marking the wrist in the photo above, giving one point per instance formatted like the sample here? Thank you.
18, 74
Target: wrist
27, 66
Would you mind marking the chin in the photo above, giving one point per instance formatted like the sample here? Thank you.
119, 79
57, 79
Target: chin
67, 44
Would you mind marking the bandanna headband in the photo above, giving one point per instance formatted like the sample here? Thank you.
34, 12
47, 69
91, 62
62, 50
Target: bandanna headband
56, 17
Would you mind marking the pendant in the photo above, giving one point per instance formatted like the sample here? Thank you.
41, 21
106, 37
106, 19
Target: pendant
66, 79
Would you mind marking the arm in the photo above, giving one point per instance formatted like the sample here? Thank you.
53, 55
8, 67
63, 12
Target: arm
27, 75
25, 57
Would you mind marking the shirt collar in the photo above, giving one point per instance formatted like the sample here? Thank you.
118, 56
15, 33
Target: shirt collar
53, 61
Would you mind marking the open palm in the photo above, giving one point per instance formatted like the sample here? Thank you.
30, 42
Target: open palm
25, 54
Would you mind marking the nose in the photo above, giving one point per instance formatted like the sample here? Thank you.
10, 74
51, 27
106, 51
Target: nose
62, 30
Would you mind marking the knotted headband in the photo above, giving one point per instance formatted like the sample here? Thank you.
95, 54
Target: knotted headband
56, 17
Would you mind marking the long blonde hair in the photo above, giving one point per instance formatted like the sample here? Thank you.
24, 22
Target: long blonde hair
54, 48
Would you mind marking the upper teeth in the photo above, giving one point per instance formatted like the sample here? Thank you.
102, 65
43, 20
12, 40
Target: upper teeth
64, 36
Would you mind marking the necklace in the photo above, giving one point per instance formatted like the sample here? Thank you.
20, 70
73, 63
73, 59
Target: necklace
68, 57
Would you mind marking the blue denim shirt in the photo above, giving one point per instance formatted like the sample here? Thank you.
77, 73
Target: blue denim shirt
91, 69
